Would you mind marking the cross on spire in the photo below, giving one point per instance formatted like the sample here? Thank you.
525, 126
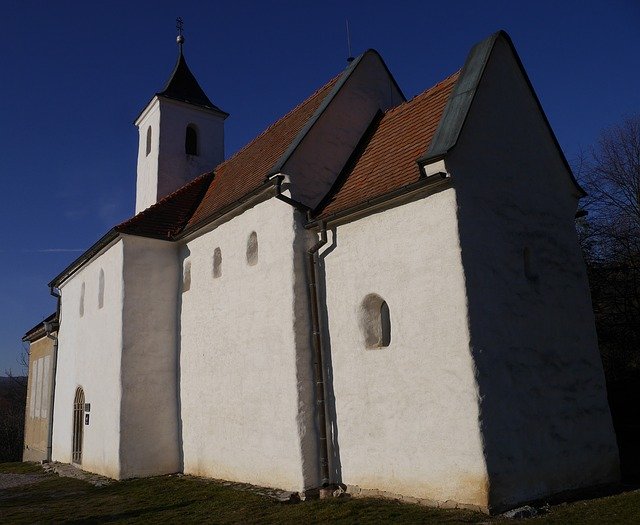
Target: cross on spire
180, 27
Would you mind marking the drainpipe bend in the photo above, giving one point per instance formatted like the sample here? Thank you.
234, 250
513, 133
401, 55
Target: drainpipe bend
313, 262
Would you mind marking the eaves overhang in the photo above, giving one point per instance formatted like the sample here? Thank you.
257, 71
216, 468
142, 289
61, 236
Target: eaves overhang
416, 190
252, 197
40, 330
78, 263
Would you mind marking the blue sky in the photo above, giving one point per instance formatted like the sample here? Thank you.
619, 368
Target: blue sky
76, 74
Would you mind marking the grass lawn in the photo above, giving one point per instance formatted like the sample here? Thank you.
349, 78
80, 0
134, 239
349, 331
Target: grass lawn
182, 499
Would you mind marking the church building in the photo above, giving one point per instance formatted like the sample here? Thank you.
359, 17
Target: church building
376, 293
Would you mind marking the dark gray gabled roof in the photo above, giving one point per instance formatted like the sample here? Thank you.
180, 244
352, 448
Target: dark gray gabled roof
183, 86
455, 113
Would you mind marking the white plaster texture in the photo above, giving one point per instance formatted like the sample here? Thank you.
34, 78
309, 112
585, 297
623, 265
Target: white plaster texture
323, 153
89, 350
168, 167
245, 367
216, 378
124, 356
545, 420
406, 415
149, 436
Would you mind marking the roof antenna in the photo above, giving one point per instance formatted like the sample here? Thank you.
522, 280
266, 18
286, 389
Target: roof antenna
350, 57
180, 37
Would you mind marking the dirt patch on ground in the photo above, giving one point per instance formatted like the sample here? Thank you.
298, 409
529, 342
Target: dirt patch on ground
8, 481
69, 471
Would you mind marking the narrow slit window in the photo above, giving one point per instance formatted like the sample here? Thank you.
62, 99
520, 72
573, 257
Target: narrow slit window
217, 263
191, 141
186, 276
101, 289
252, 249
81, 306
148, 150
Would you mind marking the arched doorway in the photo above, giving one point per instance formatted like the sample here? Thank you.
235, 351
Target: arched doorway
78, 425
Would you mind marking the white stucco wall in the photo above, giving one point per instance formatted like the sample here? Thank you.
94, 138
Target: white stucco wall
89, 356
168, 167
147, 168
406, 415
245, 353
319, 159
150, 441
544, 414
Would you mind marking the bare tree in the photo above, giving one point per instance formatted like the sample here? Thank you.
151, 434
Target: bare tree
13, 395
611, 241
610, 237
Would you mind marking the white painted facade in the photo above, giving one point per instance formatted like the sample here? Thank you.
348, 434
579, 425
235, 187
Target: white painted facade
398, 409
123, 356
532, 329
244, 355
213, 375
89, 356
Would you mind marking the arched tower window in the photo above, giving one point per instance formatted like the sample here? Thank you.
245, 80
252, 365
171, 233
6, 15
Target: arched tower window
191, 141
252, 249
101, 289
148, 140
78, 425
375, 321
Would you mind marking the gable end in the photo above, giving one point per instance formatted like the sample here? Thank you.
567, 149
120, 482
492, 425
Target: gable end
458, 106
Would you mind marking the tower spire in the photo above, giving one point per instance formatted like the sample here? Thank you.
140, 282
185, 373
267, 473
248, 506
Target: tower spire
180, 37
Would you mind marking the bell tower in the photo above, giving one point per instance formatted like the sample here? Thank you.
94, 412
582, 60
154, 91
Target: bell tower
181, 135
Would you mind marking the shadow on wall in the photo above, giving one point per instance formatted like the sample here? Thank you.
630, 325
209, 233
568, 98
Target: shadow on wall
543, 413
335, 466
184, 283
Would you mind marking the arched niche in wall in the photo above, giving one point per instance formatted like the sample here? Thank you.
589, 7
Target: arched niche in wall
101, 289
148, 146
217, 263
81, 304
186, 275
252, 249
375, 321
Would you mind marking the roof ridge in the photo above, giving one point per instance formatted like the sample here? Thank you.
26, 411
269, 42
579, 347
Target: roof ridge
422, 94
268, 128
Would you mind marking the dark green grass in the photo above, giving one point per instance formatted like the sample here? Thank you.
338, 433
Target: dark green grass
182, 499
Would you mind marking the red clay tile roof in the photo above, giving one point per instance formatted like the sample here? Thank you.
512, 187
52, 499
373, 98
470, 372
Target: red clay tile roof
387, 162
388, 159
231, 180
170, 214
248, 168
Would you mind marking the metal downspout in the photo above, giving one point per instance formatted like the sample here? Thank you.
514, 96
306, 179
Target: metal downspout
312, 255
48, 330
